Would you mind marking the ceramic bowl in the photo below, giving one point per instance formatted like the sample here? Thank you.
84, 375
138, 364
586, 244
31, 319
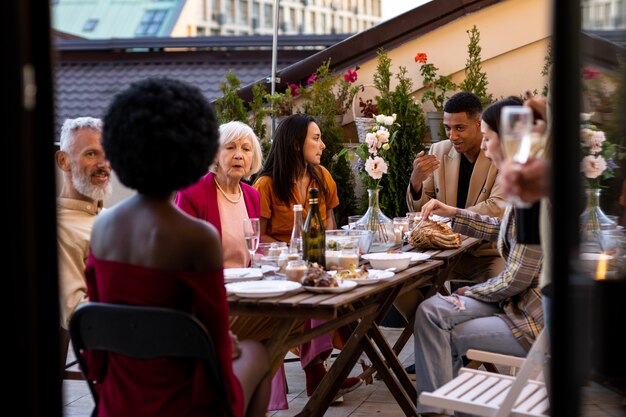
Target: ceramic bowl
400, 261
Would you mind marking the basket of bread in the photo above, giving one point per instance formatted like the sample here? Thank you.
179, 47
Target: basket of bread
429, 234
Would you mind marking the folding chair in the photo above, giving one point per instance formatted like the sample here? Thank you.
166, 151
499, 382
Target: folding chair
66, 367
492, 394
143, 332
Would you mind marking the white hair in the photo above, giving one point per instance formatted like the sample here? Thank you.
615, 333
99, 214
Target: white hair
68, 138
235, 130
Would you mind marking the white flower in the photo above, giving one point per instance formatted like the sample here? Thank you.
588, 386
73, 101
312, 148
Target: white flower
382, 135
372, 143
593, 166
592, 139
389, 120
376, 167
380, 119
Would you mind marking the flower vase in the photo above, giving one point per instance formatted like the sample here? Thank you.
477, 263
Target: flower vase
376, 221
593, 219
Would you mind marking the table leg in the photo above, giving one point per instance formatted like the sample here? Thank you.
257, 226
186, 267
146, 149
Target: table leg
401, 387
330, 384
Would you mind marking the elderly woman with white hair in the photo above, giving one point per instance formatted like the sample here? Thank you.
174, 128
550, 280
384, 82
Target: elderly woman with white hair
221, 198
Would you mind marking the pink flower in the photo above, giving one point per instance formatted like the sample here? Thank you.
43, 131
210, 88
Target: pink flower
593, 166
350, 76
311, 79
376, 167
294, 90
590, 73
372, 143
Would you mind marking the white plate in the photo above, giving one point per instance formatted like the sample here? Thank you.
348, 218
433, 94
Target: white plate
437, 218
374, 276
242, 274
261, 289
417, 257
346, 285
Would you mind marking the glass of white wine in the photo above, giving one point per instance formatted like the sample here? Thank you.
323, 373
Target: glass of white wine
516, 134
252, 235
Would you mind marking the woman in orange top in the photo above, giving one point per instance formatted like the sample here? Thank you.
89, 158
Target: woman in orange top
292, 167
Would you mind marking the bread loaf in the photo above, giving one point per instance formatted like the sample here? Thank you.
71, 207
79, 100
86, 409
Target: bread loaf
434, 235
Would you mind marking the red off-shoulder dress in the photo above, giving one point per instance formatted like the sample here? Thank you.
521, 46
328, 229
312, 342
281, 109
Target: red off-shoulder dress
163, 387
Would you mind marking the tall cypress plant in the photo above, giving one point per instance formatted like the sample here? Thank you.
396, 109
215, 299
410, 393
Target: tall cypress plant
409, 136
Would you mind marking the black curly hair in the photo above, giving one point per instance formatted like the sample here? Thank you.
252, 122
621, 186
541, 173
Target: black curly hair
491, 115
464, 102
160, 135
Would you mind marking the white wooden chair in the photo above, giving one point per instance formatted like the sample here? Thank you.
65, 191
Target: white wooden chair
498, 395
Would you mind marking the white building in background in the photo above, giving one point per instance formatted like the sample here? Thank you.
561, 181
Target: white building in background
107, 19
604, 14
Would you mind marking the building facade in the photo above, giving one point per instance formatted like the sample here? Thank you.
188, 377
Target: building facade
105, 19
604, 14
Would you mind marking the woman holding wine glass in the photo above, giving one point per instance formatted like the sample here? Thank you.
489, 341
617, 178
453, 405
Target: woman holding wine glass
503, 314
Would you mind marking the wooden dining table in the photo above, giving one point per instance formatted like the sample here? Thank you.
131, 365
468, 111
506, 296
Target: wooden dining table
361, 310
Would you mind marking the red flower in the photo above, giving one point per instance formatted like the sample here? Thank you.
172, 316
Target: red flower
421, 57
311, 79
590, 73
350, 76
294, 90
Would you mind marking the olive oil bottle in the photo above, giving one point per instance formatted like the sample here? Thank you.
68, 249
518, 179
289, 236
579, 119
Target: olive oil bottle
313, 234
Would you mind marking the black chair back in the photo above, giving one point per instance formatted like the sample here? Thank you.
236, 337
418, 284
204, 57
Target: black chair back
143, 332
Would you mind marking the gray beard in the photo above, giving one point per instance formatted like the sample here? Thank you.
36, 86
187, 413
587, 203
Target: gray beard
83, 185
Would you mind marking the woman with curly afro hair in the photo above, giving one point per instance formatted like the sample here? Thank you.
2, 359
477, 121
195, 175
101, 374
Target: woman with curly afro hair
160, 135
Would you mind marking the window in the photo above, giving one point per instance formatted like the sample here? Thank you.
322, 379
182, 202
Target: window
267, 15
90, 25
151, 23
229, 12
243, 12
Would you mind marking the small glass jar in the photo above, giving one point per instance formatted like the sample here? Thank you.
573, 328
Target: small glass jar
296, 270
332, 259
348, 257
285, 257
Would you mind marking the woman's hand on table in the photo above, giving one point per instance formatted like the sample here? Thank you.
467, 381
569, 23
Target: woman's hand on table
234, 341
437, 207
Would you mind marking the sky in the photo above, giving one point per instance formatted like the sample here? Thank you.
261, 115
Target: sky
391, 8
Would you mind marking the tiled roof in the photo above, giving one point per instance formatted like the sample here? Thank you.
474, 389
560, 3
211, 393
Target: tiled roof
88, 76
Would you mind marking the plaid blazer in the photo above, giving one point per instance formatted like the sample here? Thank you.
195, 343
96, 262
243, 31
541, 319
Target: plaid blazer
516, 289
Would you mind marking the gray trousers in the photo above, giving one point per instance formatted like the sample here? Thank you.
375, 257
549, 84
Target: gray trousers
443, 334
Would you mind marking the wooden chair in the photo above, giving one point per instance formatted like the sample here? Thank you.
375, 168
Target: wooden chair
143, 332
493, 394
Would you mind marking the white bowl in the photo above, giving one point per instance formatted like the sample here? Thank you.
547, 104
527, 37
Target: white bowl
400, 261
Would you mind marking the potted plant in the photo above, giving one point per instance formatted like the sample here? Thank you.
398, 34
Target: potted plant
409, 132
368, 110
475, 78
282, 104
323, 94
437, 87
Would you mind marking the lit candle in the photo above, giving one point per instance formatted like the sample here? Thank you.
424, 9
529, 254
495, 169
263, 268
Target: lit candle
601, 268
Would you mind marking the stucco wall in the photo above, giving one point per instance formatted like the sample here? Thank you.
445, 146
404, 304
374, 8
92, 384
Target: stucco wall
514, 37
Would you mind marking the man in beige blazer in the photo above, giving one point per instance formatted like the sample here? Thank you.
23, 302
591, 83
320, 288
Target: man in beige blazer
456, 172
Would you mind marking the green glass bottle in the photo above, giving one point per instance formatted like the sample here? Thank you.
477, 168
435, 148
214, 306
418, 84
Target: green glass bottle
313, 234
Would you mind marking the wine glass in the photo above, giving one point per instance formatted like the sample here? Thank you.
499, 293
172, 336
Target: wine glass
252, 235
516, 124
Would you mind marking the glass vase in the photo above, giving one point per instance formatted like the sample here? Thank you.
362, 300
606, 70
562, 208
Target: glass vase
376, 221
592, 220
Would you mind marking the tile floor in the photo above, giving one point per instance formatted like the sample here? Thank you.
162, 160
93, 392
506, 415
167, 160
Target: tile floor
367, 400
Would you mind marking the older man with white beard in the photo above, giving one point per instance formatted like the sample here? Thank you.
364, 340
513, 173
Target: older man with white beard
86, 174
